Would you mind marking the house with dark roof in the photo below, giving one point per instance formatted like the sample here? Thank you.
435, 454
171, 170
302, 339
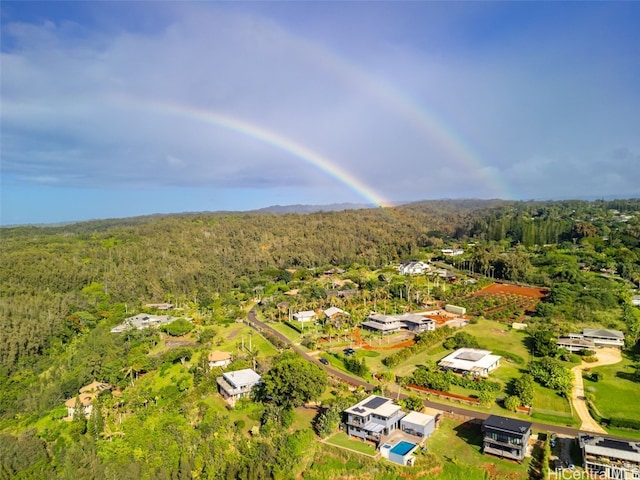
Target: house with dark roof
601, 337
506, 437
575, 344
373, 418
609, 458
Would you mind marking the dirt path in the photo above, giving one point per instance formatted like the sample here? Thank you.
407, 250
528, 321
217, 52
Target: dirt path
606, 356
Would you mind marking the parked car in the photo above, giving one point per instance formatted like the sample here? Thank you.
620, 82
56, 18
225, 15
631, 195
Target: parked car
348, 352
324, 361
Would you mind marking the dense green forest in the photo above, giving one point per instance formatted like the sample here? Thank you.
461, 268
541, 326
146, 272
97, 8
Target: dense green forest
64, 287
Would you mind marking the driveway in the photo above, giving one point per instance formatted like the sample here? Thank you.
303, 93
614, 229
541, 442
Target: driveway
606, 356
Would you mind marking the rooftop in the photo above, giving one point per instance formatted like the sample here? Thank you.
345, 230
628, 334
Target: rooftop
607, 447
507, 424
602, 333
418, 418
469, 359
242, 378
375, 404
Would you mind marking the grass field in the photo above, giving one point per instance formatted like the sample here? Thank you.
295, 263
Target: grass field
615, 394
341, 439
460, 446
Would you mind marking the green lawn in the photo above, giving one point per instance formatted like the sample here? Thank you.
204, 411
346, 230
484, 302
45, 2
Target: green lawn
460, 445
615, 394
341, 439
287, 331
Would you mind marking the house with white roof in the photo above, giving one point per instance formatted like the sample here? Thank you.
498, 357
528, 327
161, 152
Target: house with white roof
414, 268
142, 321
471, 361
305, 316
418, 424
237, 384
393, 323
373, 418
609, 458
332, 312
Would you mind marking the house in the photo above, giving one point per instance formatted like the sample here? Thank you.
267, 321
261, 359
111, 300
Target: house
418, 424
84, 400
333, 312
373, 418
384, 324
219, 359
350, 292
601, 337
575, 344
417, 323
608, 458
142, 321
414, 268
452, 252
238, 384
160, 306
506, 437
471, 361
305, 316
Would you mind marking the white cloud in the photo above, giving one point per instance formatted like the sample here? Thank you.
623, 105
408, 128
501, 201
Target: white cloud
503, 116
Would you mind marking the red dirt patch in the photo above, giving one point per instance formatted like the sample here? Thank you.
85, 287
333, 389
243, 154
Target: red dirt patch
503, 288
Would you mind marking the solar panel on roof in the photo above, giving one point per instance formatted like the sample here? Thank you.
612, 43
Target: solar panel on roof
624, 446
375, 402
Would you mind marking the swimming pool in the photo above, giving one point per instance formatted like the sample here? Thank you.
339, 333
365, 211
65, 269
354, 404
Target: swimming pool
403, 447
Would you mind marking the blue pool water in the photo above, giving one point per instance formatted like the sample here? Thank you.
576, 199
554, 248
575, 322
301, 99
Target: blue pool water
402, 448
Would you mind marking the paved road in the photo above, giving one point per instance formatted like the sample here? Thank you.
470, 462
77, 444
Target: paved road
369, 386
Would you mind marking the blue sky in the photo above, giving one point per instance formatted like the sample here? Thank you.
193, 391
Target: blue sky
115, 109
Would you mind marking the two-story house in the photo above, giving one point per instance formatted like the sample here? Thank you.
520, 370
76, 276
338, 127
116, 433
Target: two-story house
238, 384
608, 458
373, 418
506, 437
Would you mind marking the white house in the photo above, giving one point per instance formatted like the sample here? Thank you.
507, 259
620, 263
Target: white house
452, 252
332, 312
142, 321
305, 316
575, 344
393, 323
472, 361
414, 268
373, 418
238, 384
219, 359
601, 337
418, 424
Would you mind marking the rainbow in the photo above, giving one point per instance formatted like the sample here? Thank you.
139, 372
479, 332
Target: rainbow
271, 138
427, 121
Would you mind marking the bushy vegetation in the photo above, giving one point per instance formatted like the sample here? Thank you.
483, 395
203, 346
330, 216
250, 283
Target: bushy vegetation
64, 288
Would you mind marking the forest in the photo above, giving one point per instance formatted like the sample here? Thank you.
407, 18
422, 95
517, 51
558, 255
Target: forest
64, 287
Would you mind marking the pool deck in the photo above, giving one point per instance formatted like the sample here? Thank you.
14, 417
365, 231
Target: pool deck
398, 436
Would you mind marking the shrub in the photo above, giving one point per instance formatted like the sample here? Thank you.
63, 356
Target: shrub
178, 327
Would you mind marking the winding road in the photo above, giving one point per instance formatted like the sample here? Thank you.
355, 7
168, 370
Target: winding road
606, 356
342, 376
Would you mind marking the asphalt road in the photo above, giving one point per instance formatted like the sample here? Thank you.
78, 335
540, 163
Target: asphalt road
573, 432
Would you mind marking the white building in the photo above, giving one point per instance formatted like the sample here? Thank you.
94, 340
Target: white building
472, 361
414, 268
452, 252
575, 344
142, 321
219, 359
238, 384
392, 323
305, 316
418, 424
373, 418
601, 337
